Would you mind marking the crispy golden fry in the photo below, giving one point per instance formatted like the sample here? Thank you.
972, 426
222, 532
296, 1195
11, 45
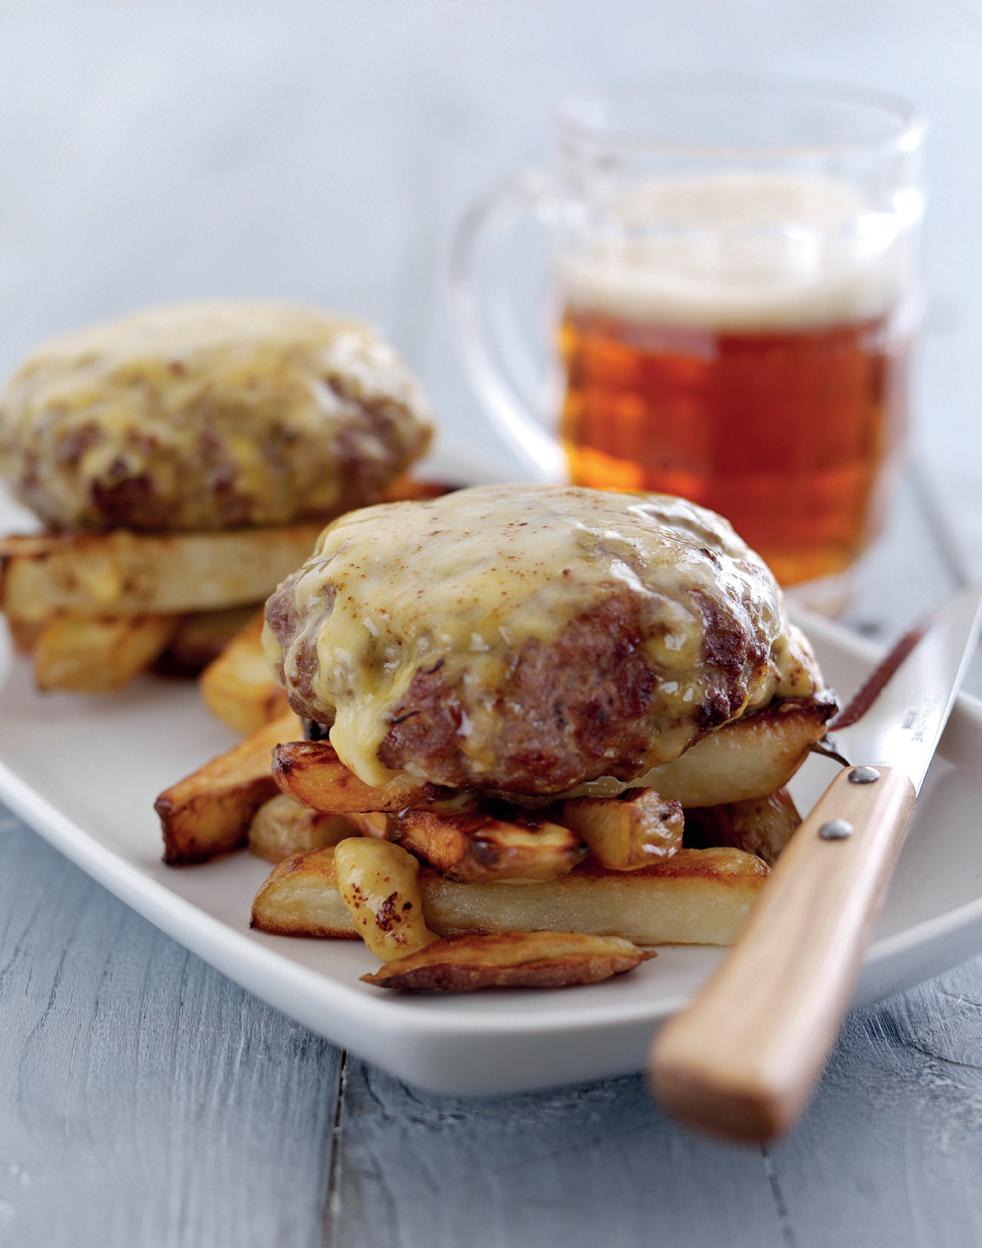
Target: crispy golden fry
628, 832
312, 773
195, 639
481, 847
238, 686
98, 654
25, 633
379, 885
697, 897
282, 827
369, 823
510, 960
300, 897
761, 825
209, 811
749, 758
200, 638
124, 573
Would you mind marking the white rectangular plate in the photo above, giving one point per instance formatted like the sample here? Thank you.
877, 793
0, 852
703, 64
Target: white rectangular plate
84, 772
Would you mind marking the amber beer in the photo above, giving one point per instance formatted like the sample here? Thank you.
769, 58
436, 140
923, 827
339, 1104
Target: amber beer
778, 400
788, 435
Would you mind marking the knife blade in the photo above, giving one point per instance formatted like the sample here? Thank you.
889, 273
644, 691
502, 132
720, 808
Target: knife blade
903, 724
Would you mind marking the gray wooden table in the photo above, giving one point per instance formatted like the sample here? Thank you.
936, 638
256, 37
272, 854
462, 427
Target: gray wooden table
163, 150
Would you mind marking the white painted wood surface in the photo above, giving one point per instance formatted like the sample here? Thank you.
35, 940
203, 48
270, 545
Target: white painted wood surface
166, 149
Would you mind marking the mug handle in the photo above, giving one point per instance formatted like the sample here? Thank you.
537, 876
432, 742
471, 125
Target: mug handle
485, 322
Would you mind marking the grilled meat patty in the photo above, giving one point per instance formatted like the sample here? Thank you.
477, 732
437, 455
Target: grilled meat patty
526, 639
206, 416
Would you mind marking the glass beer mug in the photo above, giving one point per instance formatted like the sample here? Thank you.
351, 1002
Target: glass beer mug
732, 306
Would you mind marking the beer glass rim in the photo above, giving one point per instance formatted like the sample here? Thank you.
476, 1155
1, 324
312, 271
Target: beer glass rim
584, 118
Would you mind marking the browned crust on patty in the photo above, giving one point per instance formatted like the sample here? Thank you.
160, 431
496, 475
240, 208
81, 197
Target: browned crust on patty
285, 623
570, 711
566, 712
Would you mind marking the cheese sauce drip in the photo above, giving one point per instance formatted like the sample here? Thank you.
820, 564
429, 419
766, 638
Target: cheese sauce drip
461, 584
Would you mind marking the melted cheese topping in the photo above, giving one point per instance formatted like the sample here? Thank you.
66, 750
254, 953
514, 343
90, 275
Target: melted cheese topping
465, 581
206, 415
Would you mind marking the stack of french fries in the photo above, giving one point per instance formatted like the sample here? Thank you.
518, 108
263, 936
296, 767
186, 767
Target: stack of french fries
95, 610
453, 892
236, 686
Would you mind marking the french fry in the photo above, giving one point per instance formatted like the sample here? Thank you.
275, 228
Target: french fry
481, 847
761, 825
238, 686
379, 885
126, 573
369, 823
209, 811
510, 960
200, 638
98, 654
748, 758
697, 897
629, 832
311, 773
281, 828
122, 572
25, 633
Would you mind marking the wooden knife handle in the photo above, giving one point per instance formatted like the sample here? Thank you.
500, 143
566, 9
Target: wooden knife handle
742, 1059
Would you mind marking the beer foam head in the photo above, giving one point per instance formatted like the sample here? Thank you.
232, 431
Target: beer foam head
738, 252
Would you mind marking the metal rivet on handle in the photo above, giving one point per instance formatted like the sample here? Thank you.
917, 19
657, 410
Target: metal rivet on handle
836, 830
863, 775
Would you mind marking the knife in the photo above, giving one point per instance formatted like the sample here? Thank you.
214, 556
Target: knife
742, 1059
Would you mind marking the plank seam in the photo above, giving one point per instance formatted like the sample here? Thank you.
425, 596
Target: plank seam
332, 1201
780, 1205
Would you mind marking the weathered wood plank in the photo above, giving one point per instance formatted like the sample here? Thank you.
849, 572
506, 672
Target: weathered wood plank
144, 1099
889, 1152
592, 1164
